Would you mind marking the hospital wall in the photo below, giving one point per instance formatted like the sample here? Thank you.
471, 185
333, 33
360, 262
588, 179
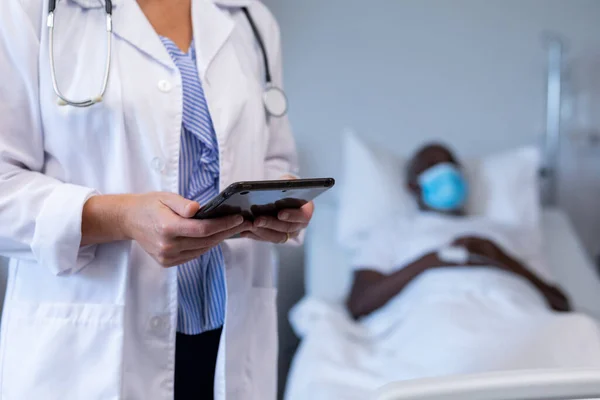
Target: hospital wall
470, 72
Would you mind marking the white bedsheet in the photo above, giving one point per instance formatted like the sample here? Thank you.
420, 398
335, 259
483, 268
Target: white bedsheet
447, 322
400, 241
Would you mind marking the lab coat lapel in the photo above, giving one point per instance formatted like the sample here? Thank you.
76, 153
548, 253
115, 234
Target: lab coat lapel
224, 81
212, 28
131, 25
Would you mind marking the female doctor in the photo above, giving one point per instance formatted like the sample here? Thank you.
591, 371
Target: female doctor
114, 291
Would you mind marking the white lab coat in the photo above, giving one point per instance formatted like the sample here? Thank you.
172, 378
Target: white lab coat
99, 322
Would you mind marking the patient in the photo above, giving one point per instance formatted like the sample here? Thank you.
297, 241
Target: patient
394, 257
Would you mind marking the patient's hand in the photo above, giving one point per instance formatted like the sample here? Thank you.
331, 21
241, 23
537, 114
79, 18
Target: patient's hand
432, 261
492, 252
556, 299
480, 246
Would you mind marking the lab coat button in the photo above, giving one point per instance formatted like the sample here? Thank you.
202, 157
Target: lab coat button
158, 325
158, 165
155, 322
164, 86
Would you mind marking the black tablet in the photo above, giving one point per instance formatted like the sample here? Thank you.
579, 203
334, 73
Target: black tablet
257, 198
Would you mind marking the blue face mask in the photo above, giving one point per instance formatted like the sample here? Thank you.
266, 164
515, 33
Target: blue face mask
443, 187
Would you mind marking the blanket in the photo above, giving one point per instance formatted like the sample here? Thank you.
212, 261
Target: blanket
446, 322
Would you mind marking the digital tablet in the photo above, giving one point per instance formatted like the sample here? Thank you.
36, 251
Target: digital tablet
257, 198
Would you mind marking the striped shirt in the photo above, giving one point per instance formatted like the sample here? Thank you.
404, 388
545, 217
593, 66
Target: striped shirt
201, 282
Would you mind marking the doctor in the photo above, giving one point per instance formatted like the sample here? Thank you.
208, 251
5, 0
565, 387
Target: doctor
114, 291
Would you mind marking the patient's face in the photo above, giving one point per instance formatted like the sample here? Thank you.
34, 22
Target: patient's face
453, 188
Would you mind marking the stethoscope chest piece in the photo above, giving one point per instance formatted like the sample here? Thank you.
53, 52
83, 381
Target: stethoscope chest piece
275, 100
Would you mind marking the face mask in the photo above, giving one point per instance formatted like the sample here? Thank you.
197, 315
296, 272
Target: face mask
443, 187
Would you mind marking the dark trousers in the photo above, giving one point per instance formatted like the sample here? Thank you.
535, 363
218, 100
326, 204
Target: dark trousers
195, 361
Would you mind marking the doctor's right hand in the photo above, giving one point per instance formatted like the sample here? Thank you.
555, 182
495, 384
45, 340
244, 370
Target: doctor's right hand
162, 223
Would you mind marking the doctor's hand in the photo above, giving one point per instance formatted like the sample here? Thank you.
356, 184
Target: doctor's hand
287, 225
162, 223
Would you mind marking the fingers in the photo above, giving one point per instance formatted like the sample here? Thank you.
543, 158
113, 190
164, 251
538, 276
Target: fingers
181, 250
189, 243
250, 235
288, 177
302, 215
185, 257
221, 236
468, 239
175, 238
560, 305
277, 225
181, 206
556, 292
464, 239
279, 230
269, 235
170, 251
465, 242
195, 228
557, 300
211, 227
459, 242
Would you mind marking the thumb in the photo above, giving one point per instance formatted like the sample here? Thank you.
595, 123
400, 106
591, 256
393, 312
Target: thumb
180, 205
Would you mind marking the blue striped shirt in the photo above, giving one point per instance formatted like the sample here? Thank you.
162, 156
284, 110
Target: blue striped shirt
201, 282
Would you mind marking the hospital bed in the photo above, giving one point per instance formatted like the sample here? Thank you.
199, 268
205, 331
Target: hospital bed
328, 280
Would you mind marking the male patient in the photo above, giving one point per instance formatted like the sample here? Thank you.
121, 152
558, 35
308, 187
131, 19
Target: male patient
397, 254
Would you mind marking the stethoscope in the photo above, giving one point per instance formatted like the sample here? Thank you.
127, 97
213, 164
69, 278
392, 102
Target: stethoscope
274, 98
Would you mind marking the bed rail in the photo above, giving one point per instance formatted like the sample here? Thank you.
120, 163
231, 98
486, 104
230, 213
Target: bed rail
522, 385
551, 146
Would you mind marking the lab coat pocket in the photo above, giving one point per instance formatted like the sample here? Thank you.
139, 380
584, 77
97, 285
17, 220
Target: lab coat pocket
264, 343
62, 352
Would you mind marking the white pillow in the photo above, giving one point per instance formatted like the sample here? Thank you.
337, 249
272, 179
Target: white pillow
503, 187
371, 189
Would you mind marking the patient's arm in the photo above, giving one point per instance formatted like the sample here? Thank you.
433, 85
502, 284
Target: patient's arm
372, 289
556, 299
554, 296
